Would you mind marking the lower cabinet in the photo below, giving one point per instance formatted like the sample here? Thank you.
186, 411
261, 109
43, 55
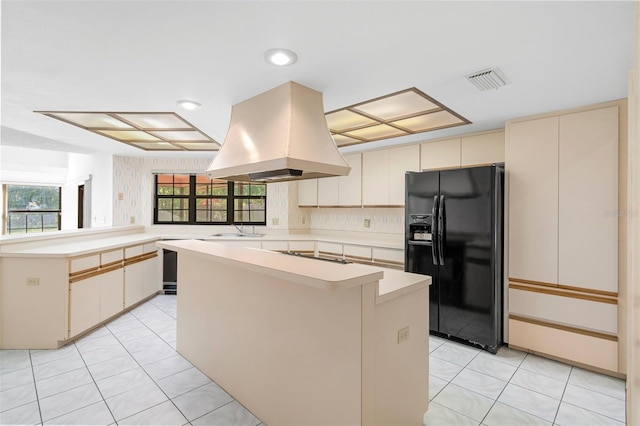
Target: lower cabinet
111, 297
94, 299
84, 305
97, 292
133, 283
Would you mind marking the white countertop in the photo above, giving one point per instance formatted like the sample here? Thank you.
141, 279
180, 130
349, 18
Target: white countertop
78, 248
311, 272
79, 242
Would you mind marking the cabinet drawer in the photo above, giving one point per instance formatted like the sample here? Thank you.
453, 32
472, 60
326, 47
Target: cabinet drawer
111, 257
150, 248
134, 251
585, 349
357, 251
85, 263
577, 312
388, 255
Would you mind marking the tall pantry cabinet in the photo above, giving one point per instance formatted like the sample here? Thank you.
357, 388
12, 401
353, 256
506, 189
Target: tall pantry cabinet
562, 173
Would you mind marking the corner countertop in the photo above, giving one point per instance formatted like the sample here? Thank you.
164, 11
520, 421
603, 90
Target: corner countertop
311, 272
79, 248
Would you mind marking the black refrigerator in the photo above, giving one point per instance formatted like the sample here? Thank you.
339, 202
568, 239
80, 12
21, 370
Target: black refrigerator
454, 233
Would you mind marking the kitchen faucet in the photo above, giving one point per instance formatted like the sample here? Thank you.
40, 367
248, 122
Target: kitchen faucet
240, 228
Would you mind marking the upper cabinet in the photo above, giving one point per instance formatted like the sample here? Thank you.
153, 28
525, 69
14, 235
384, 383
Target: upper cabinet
442, 154
486, 148
563, 178
465, 151
350, 186
308, 193
337, 191
383, 174
377, 177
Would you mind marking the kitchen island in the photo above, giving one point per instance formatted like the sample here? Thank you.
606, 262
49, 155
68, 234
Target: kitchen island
304, 341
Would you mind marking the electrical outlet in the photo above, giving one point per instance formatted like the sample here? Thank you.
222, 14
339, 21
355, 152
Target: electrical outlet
403, 334
275, 221
120, 196
33, 281
132, 220
367, 223
304, 220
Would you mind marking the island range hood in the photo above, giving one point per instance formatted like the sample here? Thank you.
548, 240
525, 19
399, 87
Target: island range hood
277, 136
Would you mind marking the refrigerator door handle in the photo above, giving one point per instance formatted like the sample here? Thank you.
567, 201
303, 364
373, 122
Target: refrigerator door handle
441, 226
434, 231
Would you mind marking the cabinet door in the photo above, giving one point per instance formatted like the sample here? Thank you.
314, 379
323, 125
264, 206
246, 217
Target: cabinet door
401, 160
375, 178
133, 283
440, 154
482, 149
111, 293
308, 193
84, 305
350, 186
328, 191
152, 283
532, 170
588, 183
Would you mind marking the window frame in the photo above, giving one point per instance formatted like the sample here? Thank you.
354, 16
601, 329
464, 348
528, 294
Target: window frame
6, 216
193, 197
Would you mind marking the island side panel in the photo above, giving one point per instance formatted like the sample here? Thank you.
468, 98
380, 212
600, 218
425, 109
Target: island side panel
401, 367
34, 297
288, 352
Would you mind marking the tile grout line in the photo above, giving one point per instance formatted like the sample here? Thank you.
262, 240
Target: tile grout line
95, 383
33, 374
148, 375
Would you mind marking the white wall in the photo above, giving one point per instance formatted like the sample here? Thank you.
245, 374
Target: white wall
96, 173
32, 166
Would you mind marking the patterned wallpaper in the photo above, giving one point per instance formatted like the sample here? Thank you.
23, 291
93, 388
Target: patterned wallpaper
133, 200
133, 182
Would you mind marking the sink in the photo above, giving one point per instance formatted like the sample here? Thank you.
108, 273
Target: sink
237, 234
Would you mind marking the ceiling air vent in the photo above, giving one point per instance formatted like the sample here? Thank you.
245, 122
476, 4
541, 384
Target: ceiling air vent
492, 78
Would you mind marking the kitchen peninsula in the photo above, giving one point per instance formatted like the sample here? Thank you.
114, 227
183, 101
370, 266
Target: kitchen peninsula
305, 341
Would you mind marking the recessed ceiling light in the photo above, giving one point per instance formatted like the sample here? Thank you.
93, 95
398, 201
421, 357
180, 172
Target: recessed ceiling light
280, 57
187, 104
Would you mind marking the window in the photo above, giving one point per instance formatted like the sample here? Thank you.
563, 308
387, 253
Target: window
32, 208
197, 200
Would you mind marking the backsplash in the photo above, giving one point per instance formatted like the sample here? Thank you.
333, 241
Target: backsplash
381, 220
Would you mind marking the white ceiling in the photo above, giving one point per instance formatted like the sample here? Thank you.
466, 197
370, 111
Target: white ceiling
142, 55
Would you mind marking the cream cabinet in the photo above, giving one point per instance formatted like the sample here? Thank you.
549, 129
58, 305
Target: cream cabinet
328, 191
141, 273
350, 186
465, 151
562, 173
308, 193
84, 305
485, 148
383, 174
338, 191
532, 171
442, 154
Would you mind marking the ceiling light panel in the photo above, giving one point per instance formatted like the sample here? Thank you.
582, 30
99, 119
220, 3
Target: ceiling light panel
406, 112
399, 105
151, 131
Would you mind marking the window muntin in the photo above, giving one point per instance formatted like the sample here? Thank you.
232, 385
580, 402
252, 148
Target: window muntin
198, 200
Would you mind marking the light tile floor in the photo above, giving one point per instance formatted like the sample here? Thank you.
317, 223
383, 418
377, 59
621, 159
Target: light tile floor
128, 372
468, 386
